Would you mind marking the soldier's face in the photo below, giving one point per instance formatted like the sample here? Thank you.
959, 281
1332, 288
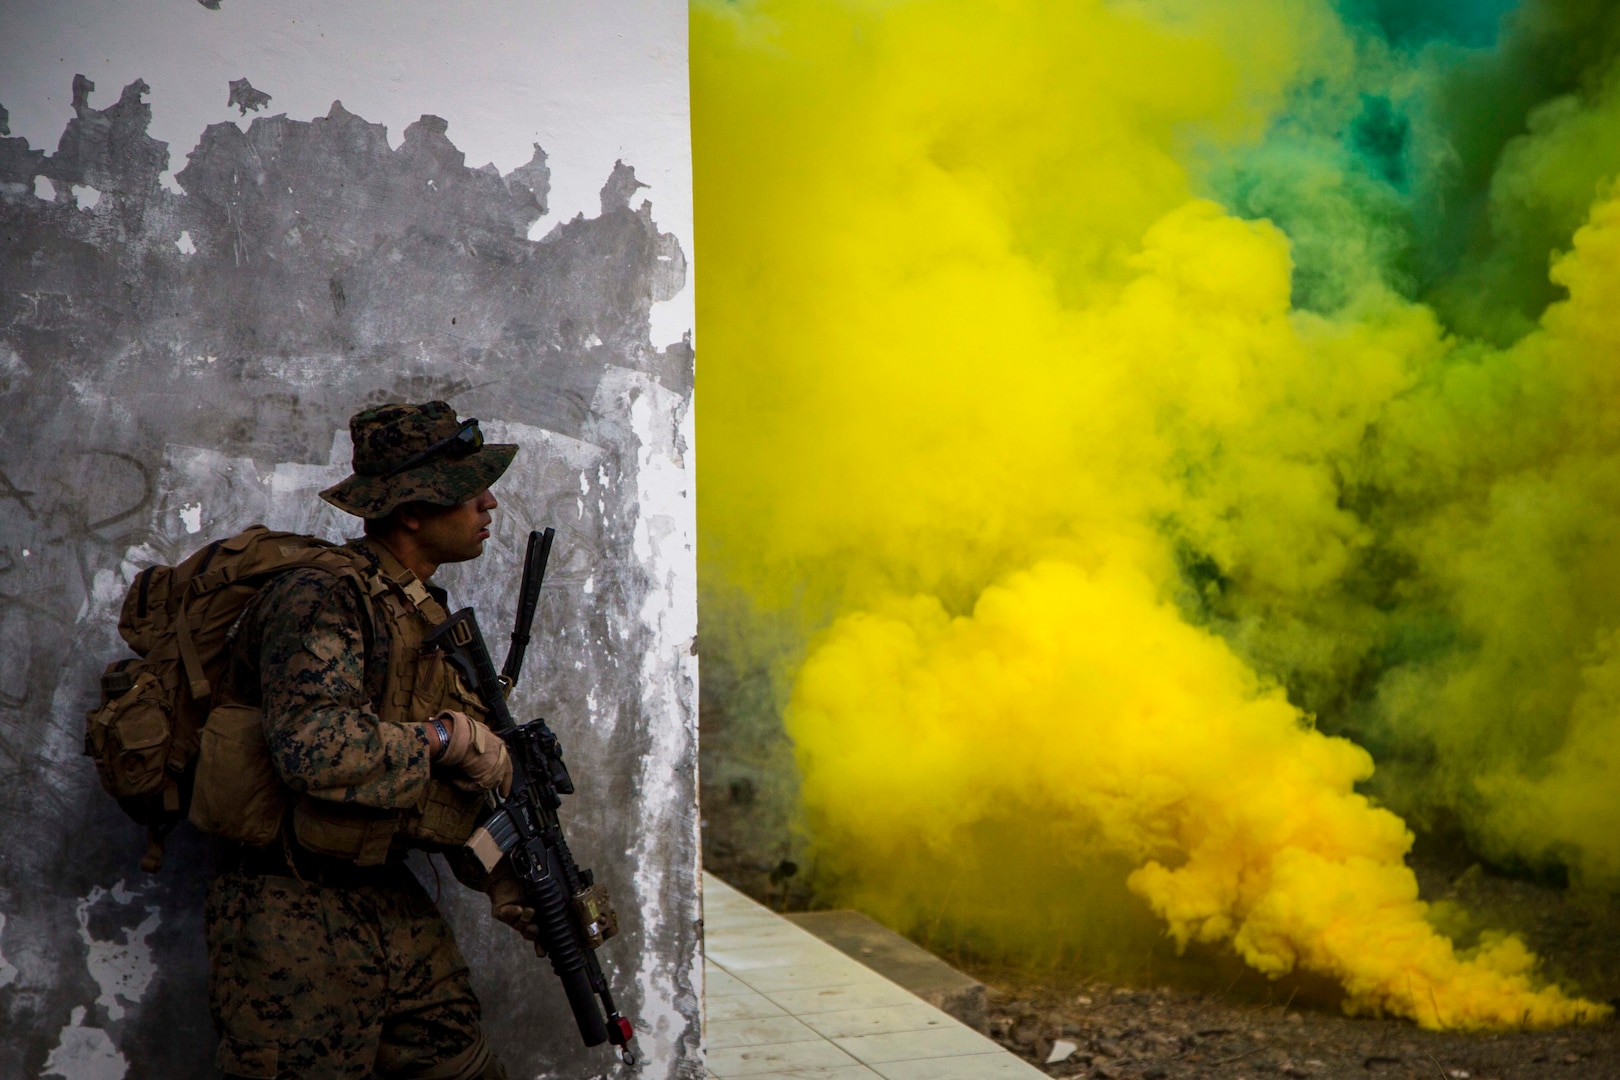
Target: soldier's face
459, 533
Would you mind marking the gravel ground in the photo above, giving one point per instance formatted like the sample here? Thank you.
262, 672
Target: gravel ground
1118, 1033
1249, 1027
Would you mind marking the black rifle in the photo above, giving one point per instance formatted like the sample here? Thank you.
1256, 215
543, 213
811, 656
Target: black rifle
571, 911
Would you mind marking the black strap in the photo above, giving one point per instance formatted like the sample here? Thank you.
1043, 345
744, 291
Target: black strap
292, 860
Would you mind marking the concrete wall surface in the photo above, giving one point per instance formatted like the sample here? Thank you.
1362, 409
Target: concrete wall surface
185, 328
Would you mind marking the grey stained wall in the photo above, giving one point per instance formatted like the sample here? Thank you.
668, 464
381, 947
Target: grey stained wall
175, 367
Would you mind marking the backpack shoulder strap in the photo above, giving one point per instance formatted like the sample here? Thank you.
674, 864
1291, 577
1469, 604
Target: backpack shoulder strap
197, 579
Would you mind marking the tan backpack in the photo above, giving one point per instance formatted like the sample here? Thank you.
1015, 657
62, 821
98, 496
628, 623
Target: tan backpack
145, 734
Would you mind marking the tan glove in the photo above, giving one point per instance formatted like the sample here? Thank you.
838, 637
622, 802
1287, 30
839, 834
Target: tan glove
506, 904
476, 754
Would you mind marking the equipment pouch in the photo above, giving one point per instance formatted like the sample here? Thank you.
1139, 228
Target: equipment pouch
236, 794
447, 815
129, 735
360, 833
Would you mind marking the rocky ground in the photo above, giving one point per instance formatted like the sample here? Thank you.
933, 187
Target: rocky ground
1294, 1028
1119, 1033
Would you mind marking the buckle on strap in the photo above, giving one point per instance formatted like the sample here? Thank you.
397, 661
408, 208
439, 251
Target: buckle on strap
392, 574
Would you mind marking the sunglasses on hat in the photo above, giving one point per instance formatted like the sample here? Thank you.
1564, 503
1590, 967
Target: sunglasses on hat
467, 440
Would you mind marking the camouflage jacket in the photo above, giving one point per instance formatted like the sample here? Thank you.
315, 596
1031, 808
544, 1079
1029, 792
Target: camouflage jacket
308, 657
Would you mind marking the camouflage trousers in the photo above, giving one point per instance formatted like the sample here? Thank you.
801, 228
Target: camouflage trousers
310, 982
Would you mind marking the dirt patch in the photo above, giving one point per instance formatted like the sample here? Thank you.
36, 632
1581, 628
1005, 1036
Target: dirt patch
1121, 1033
1293, 1027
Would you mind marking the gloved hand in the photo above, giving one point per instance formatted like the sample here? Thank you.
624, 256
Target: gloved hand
506, 904
476, 754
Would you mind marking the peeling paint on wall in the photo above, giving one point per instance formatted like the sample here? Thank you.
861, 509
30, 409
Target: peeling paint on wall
122, 965
177, 365
8, 970
665, 543
85, 1053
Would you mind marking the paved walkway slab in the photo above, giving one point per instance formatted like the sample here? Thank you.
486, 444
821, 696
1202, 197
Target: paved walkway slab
901, 961
780, 1003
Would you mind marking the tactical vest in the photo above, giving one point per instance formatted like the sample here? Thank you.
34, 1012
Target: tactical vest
238, 795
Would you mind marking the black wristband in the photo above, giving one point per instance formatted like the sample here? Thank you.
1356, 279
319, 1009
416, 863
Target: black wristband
444, 734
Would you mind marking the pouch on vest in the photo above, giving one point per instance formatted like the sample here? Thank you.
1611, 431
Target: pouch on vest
236, 793
343, 831
420, 685
446, 815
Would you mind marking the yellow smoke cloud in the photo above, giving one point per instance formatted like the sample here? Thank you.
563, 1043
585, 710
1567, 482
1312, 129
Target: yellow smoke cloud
1081, 706
979, 369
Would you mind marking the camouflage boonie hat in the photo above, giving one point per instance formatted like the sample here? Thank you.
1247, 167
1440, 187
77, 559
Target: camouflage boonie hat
416, 453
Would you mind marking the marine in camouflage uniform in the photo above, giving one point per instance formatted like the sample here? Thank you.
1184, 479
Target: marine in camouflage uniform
320, 967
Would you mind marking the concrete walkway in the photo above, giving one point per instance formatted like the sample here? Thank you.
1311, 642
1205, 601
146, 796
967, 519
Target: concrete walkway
781, 1003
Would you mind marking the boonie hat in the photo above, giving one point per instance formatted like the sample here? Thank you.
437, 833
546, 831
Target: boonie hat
416, 453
